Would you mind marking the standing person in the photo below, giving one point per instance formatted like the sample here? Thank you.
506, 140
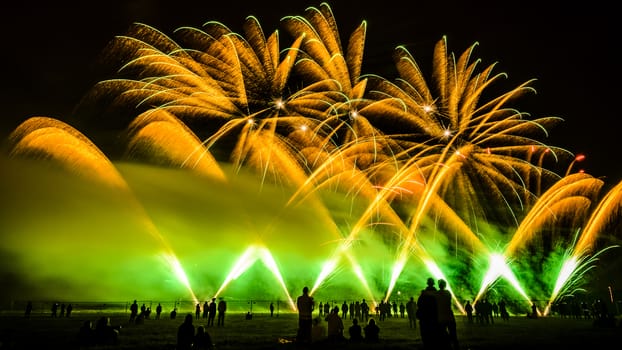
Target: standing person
222, 308
158, 311
305, 306
534, 310
503, 311
69, 310
411, 311
197, 311
469, 311
133, 311
271, 309
427, 315
185, 334
212, 313
364, 311
54, 309
446, 319
28, 309
205, 309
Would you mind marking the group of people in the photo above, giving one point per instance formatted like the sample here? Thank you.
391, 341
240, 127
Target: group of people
211, 311
312, 330
437, 323
189, 338
103, 333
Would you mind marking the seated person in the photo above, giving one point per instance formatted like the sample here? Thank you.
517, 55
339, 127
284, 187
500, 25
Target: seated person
105, 333
356, 332
202, 340
86, 335
318, 330
371, 332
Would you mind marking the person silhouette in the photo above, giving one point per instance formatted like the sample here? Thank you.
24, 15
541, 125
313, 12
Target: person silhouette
411, 311
271, 309
427, 315
445, 317
202, 340
28, 309
334, 326
197, 311
372, 332
173, 314
185, 334
133, 311
158, 311
318, 331
468, 308
105, 333
305, 305
212, 313
222, 309
355, 332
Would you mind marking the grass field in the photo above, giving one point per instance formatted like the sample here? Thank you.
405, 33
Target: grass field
265, 332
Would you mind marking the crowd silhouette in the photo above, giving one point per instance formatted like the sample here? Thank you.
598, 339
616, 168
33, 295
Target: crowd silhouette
430, 315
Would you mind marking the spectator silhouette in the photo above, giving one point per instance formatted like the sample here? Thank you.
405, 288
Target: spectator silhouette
427, 315
86, 334
505, 315
158, 311
54, 310
469, 311
534, 310
355, 332
305, 311
205, 309
133, 311
202, 340
173, 314
185, 334
212, 313
335, 326
446, 319
318, 330
105, 333
364, 311
222, 308
69, 310
411, 312
28, 309
372, 332
271, 309
197, 311
344, 310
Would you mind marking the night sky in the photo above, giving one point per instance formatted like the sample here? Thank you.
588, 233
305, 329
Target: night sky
50, 52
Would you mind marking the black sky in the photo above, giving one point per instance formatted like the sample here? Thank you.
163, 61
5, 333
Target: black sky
50, 49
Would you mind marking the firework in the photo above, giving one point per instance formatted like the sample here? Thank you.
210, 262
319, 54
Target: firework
355, 174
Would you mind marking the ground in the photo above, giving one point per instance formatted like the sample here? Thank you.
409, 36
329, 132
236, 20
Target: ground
265, 332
